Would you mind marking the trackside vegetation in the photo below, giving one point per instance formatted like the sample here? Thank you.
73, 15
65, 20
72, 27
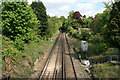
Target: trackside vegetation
103, 36
24, 29
27, 33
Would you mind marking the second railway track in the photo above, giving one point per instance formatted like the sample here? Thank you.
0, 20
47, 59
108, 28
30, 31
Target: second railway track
49, 71
59, 64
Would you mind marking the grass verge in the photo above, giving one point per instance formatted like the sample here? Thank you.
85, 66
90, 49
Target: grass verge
24, 67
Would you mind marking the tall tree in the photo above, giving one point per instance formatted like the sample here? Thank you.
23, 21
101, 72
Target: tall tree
40, 11
62, 18
19, 21
71, 14
113, 28
86, 22
101, 20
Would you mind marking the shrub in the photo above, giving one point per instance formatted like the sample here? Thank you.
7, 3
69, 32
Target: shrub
96, 49
76, 35
8, 49
96, 39
105, 71
112, 51
19, 21
85, 35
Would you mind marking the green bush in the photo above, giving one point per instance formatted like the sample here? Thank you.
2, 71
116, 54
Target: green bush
96, 39
76, 35
97, 49
111, 51
105, 71
19, 44
19, 21
84, 35
100, 48
53, 25
8, 49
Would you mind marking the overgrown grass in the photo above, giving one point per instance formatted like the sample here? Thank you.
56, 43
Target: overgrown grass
77, 45
24, 55
33, 51
107, 70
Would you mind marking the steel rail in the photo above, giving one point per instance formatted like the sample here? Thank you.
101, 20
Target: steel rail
56, 61
71, 57
63, 60
48, 59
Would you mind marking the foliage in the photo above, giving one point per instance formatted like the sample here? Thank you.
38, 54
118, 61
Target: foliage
19, 21
63, 19
101, 20
71, 14
113, 29
104, 41
71, 23
53, 25
10, 50
111, 51
97, 49
96, 39
21, 39
40, 11
82, 35
86, 22
20, 30
85, 35
105, 71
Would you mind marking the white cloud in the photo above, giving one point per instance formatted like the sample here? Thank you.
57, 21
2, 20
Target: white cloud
57, 13
58, 7
59, 1
91, 8
98, 1
85, 6
62, 7
94, 1
93, 12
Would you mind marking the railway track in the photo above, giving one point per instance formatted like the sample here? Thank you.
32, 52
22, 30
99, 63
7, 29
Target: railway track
71, 58
63, 59
59, 64
70, 69
50, 70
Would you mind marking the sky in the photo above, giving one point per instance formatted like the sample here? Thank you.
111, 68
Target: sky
63, 7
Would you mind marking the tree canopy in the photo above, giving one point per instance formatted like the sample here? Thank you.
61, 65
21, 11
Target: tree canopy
40, 10
113, 28
19, 21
